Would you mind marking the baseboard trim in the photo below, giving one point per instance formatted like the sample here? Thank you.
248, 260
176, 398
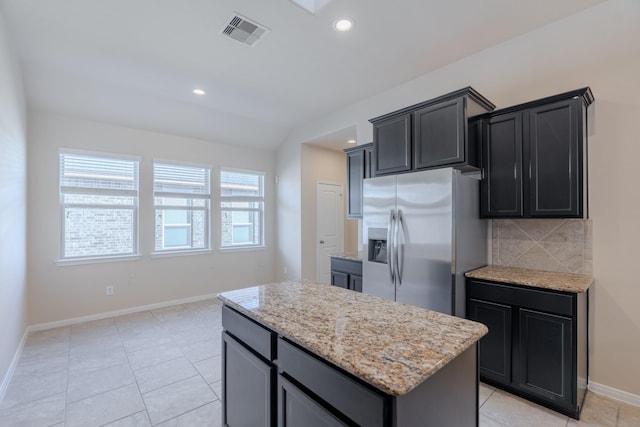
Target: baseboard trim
108, 314
12, 367
614, 393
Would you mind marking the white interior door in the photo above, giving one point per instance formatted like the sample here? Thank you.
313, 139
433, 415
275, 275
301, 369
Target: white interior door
330, 227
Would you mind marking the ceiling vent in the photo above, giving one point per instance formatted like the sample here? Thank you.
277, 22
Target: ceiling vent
244, 30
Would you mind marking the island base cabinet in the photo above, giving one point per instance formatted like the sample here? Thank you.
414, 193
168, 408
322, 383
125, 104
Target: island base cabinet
296, 408
269, 381
448, 398
248, 385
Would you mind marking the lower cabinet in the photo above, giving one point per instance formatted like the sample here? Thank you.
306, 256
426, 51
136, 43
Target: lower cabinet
296, 408
537, 342
346, 273
494, 352
268, 380
545, 357
248, 399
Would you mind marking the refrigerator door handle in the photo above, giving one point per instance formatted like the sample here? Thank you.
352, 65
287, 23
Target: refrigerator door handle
399, 245
390, 245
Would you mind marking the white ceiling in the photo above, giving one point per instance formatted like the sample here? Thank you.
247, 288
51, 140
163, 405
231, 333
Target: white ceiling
135, 62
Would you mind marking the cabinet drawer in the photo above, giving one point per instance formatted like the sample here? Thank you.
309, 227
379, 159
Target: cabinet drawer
259, 338
536, 299
346, 266
355, 400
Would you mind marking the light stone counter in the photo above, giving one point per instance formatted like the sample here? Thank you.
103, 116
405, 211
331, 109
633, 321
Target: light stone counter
352, 256
567, 282
392, 346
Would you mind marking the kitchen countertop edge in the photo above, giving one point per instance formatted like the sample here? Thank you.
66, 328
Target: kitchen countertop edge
564, 282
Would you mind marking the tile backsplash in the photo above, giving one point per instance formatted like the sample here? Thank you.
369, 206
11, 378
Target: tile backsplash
563, 245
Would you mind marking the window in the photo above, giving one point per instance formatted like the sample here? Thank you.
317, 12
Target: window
182, 198
242, 208
99, 203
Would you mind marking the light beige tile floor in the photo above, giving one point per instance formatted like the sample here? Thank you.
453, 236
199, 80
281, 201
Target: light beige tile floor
162, 367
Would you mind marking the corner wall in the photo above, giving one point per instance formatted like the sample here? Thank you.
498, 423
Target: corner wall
60, 292
13, 199
288, 191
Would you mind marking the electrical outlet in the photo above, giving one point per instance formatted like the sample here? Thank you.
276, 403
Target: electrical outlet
109, 290
285, 270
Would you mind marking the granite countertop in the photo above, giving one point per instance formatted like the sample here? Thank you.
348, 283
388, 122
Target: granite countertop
567, 282
353, 256
392, 346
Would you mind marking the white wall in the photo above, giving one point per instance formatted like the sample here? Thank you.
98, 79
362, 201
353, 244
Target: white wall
571, 53
289, 264
13, 197
62, 292
321, 165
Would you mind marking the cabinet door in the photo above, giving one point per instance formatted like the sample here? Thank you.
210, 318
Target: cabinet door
439, 134
392, 145
355, 283
368, 161
296, 408
555, 160
545, 356
340, 279
501, 185
248, 387
495, 348
355, 175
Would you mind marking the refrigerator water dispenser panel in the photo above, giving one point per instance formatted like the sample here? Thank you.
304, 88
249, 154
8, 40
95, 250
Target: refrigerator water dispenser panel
377, 245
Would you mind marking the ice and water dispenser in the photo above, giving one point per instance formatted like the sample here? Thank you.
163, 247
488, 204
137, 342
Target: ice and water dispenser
377, 245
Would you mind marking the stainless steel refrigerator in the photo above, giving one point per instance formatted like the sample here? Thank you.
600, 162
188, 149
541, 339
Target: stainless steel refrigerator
421, 233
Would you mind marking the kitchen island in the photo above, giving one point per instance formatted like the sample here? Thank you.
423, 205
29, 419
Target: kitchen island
309, 354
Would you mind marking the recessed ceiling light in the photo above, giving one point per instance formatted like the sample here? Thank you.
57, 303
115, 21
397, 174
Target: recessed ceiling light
343, 24
199, 92
351, 141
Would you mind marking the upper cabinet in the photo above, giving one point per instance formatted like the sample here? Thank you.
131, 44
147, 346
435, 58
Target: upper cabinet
392, 141
432, 134
533, 159
358, 168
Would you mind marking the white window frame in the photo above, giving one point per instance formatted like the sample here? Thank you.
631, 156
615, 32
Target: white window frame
69, 189
189, 197
260, 200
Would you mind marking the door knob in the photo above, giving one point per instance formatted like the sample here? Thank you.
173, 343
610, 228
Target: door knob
322, 242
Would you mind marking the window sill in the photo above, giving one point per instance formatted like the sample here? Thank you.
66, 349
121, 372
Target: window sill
242, 248
166, 254
80, 261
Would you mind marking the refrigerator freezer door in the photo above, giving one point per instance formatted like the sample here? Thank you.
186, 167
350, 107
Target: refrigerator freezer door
425, 239
379, 205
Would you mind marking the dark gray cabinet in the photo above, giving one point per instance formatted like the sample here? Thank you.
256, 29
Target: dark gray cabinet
431, 134
269, 380
297, 408
346, 273
533, 159
537, 342
545, 356
358, 168
392, 144
439, 132
254, 389
501, 184
248, 351
494, 350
